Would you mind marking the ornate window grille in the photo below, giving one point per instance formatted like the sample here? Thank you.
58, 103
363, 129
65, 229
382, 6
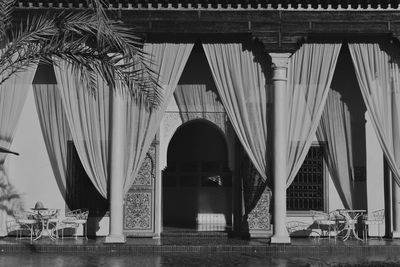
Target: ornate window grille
307, 190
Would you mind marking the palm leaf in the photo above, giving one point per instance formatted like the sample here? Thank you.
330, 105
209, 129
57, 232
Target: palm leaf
87, 40
6, 8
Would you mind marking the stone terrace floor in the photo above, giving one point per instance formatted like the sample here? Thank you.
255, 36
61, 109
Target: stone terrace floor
195, 251
298, 246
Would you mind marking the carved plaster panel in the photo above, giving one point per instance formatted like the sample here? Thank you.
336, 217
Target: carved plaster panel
146, 174
171, 122
139, 206
259, 218
138, 211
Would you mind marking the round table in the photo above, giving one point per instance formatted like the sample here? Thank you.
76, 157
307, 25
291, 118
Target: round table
45, 218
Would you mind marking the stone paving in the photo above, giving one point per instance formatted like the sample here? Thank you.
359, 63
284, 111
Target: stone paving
190, 259
198, 252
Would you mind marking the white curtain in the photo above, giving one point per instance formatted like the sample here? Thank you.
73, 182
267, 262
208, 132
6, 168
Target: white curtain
88, 114
378, 74
13, 94
196, 100
310, 72
168, 61
55, 130
88, 118
335, 130
241, 84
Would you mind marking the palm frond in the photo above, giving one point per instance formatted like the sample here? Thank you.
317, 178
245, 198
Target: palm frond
23, 45
91, 42
6, 9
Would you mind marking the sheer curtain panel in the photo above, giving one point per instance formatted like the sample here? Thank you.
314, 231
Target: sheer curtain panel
88, 114
310, 72
55, 130
335, 131
196, 100
378, 74
168, 61
13, 93
241, 83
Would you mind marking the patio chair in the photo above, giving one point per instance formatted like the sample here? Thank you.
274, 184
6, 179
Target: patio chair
22, 221
376, 217
73, 219
326, 223
339, 219
298, 228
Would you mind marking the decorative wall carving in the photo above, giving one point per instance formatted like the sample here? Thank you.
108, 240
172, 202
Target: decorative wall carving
146, 174
139, 201
138, 211
171, 122
259, 218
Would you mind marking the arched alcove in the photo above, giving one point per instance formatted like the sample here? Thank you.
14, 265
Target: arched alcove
197, 180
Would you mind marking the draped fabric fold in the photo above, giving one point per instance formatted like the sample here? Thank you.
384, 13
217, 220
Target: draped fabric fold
55, 130
88, 119
168, 61
196, 100
13, 93
309, 77
335, 130
378, 74
88, 114
241, 83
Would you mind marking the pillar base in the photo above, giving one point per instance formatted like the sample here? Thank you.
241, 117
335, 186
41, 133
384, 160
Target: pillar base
396, 234
280, 239
115, 239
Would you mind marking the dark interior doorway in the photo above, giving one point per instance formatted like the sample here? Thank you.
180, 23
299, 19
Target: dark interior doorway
197, 181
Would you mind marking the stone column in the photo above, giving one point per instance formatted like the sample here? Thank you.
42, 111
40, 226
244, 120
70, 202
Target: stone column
280, 61
116, 167
396, 209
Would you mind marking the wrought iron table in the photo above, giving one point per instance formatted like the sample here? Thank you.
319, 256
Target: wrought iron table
46, 217
351, 218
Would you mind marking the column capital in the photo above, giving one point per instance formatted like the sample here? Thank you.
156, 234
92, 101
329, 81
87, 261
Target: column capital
280, 60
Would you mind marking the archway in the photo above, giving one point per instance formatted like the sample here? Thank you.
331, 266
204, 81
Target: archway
197, 183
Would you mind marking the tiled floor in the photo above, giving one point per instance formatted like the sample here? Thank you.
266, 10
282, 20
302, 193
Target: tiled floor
198, 252
298, 246
205, 251
187, 259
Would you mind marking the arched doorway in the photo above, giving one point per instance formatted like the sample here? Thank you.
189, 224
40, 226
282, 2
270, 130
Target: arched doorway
197, 183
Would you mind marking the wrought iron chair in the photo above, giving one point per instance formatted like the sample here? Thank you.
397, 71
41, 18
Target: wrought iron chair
299, 228
326, 222
73, 219
376, 217
22, 221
